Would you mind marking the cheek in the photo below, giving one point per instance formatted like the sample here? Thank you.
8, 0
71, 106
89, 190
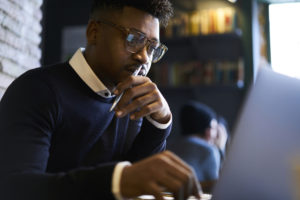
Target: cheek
117, 64
118, 51
113, 46
116, 56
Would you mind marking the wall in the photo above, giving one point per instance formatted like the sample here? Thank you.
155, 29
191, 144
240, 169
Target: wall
59, 15
20, 38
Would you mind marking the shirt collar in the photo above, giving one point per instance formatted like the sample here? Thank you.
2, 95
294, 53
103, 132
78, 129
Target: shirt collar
84, 71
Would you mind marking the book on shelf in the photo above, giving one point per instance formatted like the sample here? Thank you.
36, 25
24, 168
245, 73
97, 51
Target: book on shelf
207, 21
199, 73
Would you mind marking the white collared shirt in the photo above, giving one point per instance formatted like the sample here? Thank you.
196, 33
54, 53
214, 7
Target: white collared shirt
85, 72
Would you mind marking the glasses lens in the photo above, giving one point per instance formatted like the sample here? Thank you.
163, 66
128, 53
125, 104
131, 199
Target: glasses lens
136, 41
159, 52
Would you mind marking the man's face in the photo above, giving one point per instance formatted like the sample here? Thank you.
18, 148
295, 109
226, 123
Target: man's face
111, 61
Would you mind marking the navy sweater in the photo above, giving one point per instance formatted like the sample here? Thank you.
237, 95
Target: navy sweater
58, 139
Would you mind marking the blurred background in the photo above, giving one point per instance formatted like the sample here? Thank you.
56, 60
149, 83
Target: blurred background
215, 47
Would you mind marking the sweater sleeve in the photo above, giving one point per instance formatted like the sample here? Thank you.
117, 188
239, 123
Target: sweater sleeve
29, 114
150, 140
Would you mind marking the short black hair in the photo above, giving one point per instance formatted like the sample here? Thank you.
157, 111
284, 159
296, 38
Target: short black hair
195, 118
161, 9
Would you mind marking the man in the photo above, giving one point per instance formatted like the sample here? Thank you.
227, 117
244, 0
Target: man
201, 146
59, 139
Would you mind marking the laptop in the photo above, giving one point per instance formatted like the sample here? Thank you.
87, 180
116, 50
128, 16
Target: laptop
263, 158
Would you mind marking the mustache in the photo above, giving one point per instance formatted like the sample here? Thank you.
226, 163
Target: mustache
144, 68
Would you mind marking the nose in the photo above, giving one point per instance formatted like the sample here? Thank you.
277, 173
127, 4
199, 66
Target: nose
142, 56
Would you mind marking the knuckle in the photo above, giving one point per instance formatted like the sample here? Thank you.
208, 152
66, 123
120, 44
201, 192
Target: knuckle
160, 104
167, 153
153, 86
162, 158
139, 101
155, 94
148, 79
147, 109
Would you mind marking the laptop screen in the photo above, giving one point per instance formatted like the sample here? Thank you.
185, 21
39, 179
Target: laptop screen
266, 145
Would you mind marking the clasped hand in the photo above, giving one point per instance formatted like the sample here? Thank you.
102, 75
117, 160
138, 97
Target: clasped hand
141, 98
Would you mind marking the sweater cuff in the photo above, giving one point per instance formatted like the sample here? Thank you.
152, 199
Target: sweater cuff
159, 125
116, 179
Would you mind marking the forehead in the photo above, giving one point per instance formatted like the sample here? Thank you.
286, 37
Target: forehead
142, 21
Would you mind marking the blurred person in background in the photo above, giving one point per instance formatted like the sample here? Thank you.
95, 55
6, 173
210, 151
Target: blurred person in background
202, 142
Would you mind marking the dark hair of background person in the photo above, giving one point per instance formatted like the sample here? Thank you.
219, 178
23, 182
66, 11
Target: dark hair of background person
161, 9
195, 117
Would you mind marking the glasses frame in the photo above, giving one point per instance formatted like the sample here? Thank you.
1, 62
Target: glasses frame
161, 47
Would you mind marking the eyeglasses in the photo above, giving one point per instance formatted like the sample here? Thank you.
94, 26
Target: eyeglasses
136, 41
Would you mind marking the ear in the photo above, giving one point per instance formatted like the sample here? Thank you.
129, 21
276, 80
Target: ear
91, 32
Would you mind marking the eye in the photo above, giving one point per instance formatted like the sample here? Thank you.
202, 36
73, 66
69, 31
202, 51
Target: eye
135, 39
130, 37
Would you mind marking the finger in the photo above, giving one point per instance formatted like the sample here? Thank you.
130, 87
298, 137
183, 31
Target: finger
146, 110
192, 183
177, 172
170, 183
171, 176
141, 104
195, 187
192, 186
130, 82
163, 177
184, 191
137, 97
138, 90
156, 191
187, 190
180, 194
177, 159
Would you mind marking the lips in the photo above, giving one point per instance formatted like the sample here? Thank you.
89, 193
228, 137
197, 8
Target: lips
132, 68
142, 72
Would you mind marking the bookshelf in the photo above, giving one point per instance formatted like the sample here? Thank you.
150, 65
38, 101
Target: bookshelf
214, 59
202, 22
205, 49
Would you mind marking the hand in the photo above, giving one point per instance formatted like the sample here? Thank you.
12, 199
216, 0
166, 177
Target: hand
141, 98
159, 173
222, 136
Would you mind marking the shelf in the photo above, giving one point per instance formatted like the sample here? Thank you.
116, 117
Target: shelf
199, 72
206, 88
227, 46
